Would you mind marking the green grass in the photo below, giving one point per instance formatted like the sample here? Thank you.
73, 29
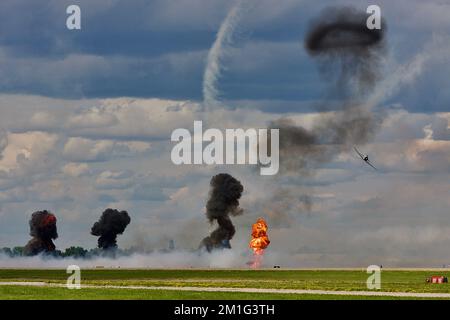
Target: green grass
39, 293
349, 280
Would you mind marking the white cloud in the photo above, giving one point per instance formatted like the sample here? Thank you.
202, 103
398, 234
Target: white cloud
27, 150
82, 149
95, 117
75, 169
42, 119
114, 180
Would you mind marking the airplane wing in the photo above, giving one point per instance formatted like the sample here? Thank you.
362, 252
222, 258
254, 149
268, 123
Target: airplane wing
359, 153
370, 164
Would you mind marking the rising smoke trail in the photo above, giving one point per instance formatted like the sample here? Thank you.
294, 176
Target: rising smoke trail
218, 52
43, 230
112, 223
223, 201
402, 75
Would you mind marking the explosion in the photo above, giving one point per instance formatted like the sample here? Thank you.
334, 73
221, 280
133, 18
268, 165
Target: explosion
259, 242
223, 200
43, 230
111, 223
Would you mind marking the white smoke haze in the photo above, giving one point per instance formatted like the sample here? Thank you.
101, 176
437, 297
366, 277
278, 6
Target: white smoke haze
405, 74
180, 260
176, 259
173, 260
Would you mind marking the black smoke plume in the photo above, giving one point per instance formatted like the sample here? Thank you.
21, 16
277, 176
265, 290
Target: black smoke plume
43, 230
223, 201
111, 223
348, 55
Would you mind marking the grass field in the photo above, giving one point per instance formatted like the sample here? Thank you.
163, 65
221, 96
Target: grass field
342, 280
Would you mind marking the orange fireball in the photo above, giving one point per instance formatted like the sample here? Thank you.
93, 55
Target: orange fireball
260, 240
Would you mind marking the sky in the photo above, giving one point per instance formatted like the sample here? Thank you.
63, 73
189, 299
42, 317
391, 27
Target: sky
87, 115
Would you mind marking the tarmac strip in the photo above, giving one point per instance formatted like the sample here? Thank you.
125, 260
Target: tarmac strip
245, 290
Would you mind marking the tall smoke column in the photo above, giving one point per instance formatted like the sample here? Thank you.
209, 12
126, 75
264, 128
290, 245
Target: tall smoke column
348, 55
259, 242
111, 223
223, 201
43, 230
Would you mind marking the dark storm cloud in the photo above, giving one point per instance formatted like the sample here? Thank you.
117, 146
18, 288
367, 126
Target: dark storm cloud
157, 48
143, 48
38, 28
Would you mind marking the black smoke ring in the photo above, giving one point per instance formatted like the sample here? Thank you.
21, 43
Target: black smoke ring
340, 29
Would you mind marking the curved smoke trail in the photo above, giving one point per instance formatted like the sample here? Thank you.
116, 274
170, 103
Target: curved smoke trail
218, 51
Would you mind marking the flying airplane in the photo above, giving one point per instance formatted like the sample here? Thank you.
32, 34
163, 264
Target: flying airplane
365, 158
